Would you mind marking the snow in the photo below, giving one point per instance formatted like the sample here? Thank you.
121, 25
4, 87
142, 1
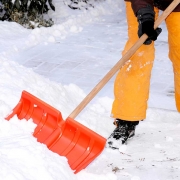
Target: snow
99, 34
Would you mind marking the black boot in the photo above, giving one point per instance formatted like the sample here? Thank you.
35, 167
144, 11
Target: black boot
123, 131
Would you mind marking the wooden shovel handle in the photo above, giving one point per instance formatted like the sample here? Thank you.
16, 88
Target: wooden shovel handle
121, 62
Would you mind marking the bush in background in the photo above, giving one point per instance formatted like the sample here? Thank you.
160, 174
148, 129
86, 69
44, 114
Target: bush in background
34, 13
28, 13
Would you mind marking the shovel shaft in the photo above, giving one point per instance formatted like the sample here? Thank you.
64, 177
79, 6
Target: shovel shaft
121, 62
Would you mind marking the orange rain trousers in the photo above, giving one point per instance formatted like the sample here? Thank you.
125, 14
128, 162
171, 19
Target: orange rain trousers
131, 87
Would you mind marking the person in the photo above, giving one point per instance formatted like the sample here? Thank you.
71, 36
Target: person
132, 83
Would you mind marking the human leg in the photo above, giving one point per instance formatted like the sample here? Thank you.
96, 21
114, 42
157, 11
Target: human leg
173, 27
131, 87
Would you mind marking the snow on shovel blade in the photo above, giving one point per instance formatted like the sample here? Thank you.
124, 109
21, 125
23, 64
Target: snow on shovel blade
77, 143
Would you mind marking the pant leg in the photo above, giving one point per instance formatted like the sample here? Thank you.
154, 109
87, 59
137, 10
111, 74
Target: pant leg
173, 26
131, 86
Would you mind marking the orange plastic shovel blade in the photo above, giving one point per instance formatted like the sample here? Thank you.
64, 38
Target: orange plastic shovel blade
69, 138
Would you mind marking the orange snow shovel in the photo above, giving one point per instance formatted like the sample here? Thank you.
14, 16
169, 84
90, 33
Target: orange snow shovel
68, 138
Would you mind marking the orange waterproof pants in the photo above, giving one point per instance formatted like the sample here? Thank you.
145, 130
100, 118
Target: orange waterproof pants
131, 87
173, 27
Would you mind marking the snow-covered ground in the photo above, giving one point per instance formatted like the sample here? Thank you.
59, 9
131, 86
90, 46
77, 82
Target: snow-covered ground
55, 64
